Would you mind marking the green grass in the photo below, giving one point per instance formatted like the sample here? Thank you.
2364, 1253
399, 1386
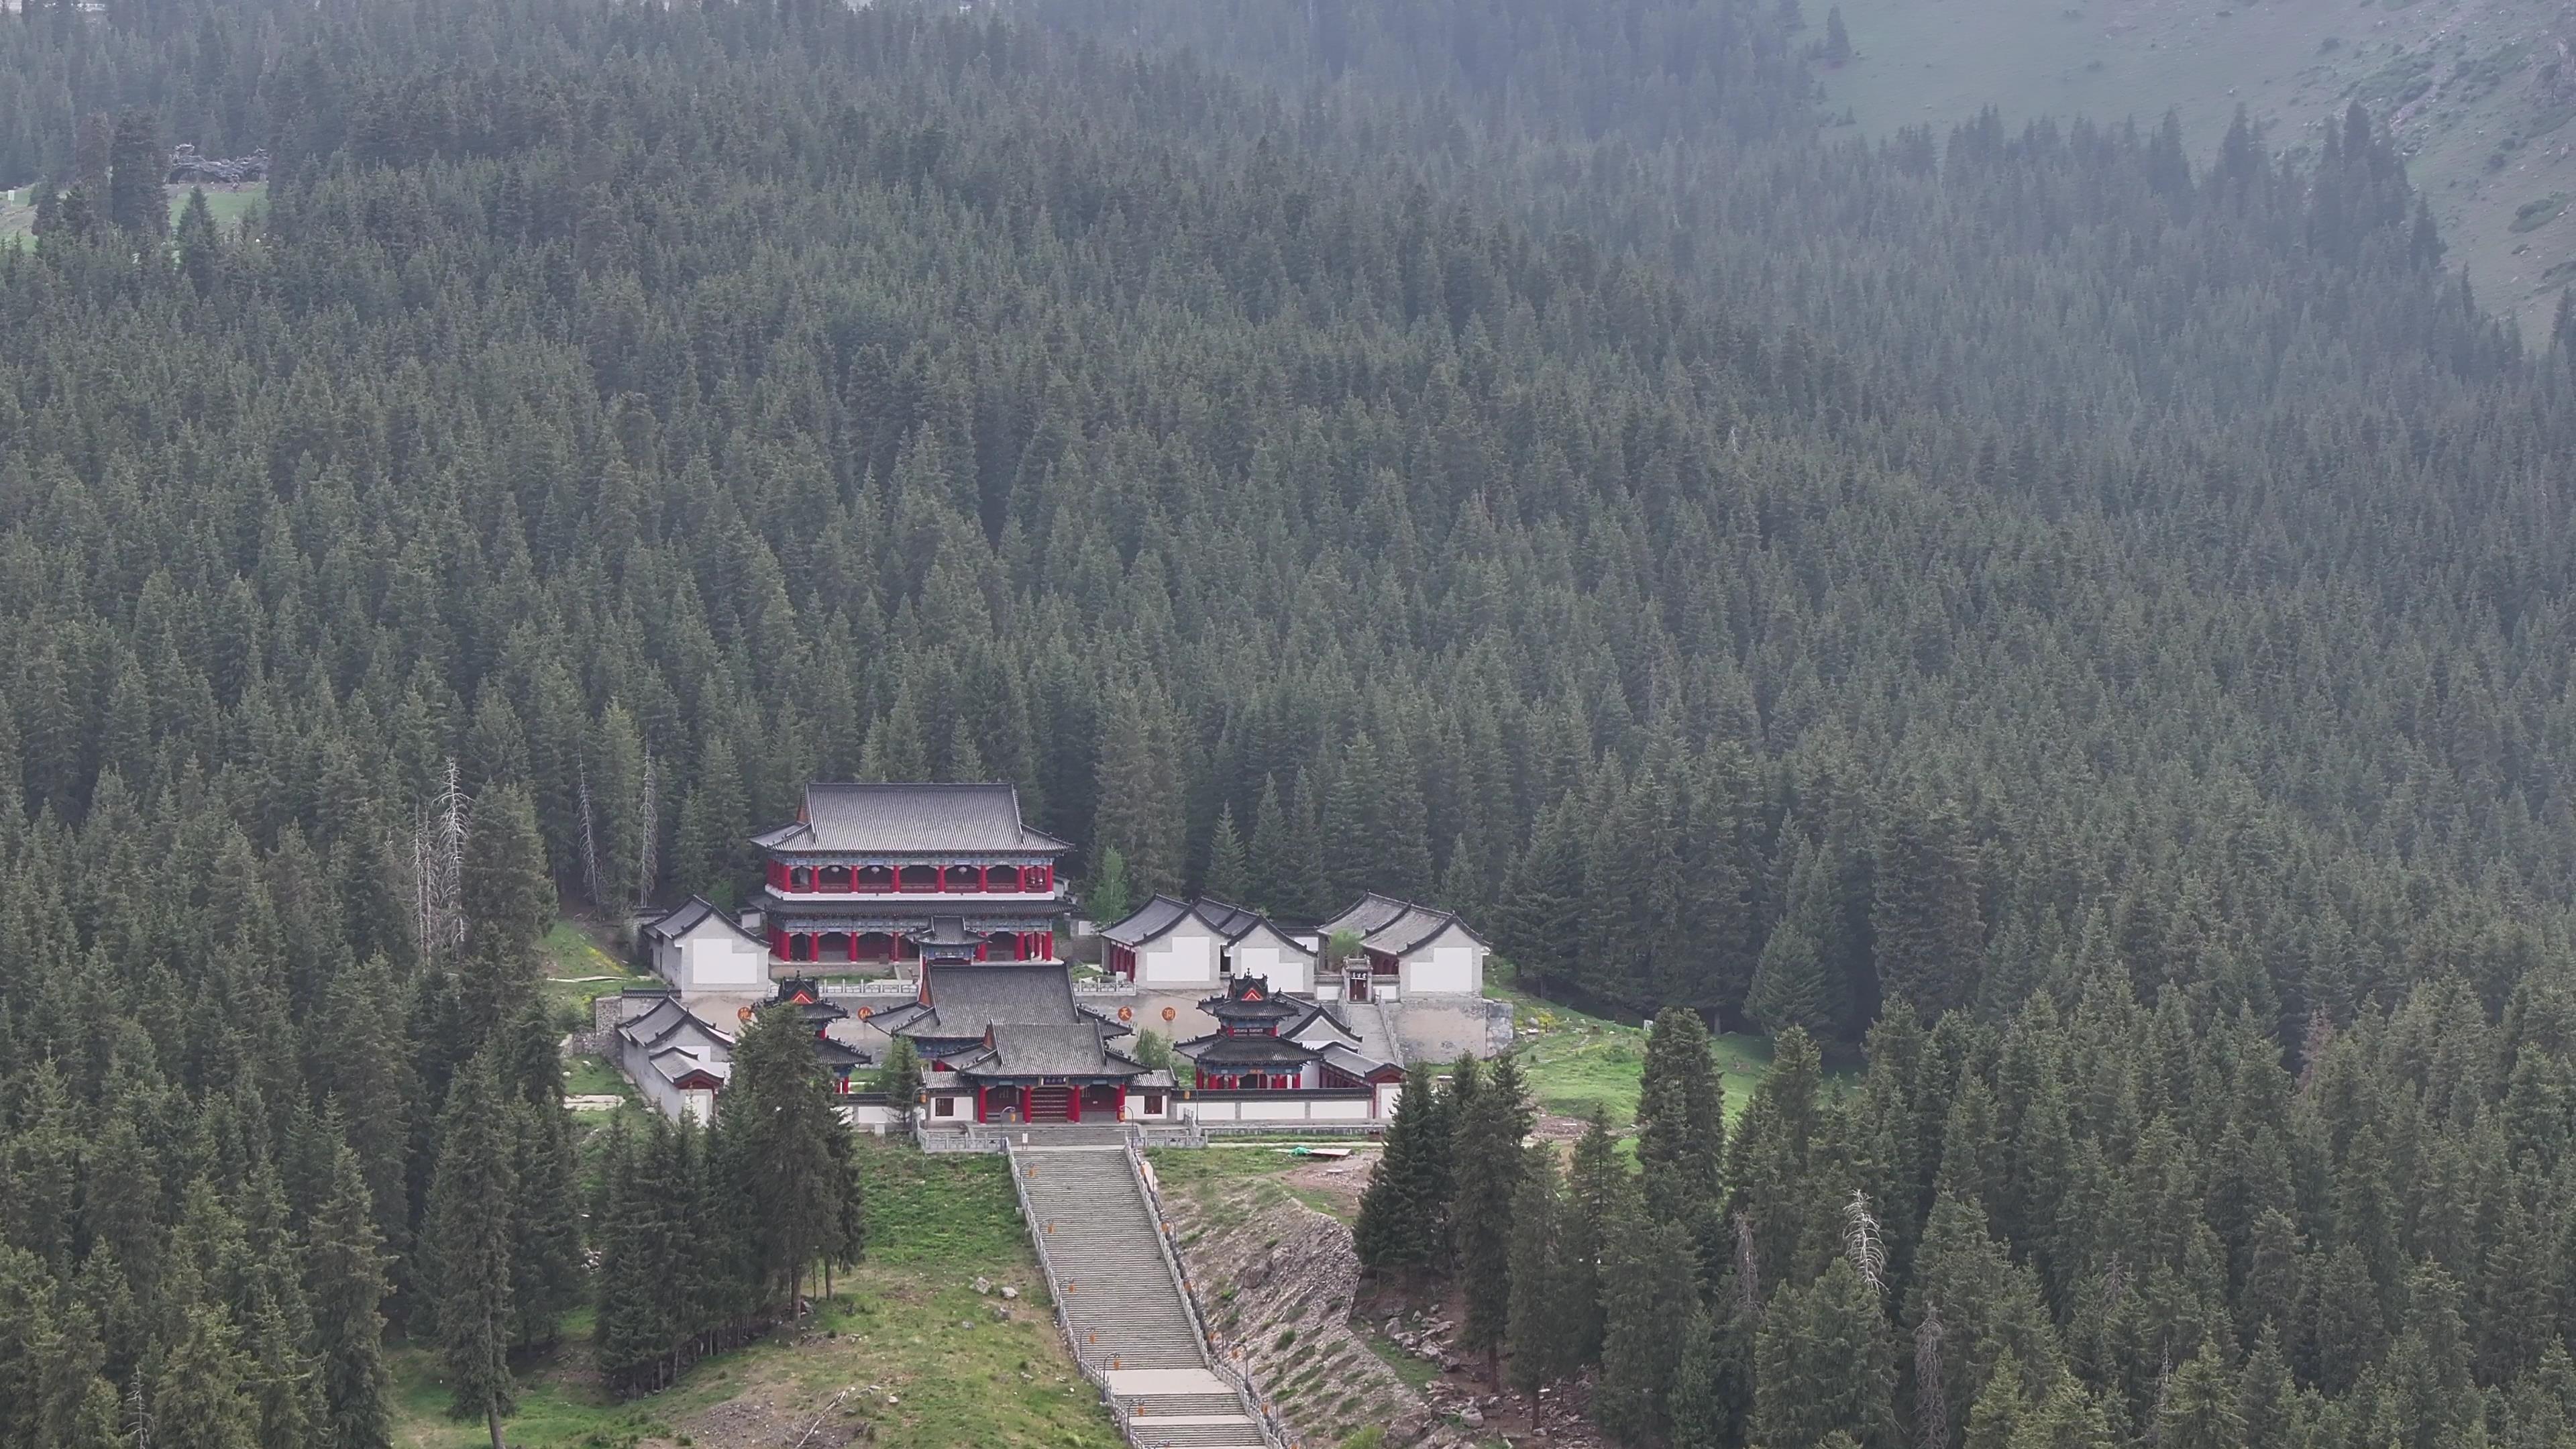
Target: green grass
571, 955
590, 1076
907, 1322
1579, 1063
228, 208
1202, 1172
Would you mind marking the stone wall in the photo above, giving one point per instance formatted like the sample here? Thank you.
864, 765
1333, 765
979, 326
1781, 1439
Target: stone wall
1274, 1280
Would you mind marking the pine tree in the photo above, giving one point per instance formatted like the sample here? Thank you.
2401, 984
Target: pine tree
1823, 1364
508, 902
200, 250
1540, 925
467, 1235
1797, 981
137, 161
901, 1073
1536, 1327
774, 1130
1598, 1190
1486, 1164
1105, 897
198, 1397
1229, 868
1649, 1283
2198, 1409
1401, 1216
1681, 1123
1699, 1417
1925, 919
345, 1276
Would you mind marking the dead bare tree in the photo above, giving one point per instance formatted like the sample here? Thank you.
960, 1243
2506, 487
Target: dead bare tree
1861, 1242
648, 823
1748, 1266
439, 828
589, 835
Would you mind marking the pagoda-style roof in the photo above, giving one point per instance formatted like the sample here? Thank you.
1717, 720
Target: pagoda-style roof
1247, 1000
806, 995
1246, 1051
918, 819
946, 931
1392, 927
838, 1054
1045, 1051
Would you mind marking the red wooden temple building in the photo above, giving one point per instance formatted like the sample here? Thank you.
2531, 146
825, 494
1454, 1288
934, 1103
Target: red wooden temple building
872, 874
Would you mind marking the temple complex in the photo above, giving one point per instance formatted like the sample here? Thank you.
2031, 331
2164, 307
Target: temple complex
940, 907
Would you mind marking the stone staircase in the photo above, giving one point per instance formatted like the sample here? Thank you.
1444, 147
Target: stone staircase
1118, 1298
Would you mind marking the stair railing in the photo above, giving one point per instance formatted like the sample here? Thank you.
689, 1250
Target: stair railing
1273, 1433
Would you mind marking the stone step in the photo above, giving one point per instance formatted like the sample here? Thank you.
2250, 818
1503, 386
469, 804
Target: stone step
1207, 1434
1162, 1406
1121, 1302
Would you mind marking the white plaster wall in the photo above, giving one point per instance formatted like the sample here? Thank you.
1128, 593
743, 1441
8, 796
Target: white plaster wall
1285, 969
1186, 956
669, 961
719, 960
1449, 963
1387, 1093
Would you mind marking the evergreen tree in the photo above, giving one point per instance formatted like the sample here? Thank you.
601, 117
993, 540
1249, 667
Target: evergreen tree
1229, 867
1487, 1160
1649, 1283
774, 1131
344, 1267
467, 1235
1536, 1329
199, 1396
1925, 919
1106, 895
137, 161
1681, 1123
1401, 1219
901, 1073
1598, 1191
1823, 1364
200, 252
1699, 1417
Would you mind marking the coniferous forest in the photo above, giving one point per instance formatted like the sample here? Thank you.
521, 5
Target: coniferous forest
2076, 630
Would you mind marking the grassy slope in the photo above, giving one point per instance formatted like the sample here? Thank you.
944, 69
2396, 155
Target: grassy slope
935, 1370
18, 211
1577, 1062
2461, 76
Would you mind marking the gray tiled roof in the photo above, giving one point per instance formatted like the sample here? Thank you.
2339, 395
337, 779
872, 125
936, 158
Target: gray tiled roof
690, 914
966, 999
900, 818
1390, 925
1245, 1051
1148, 921
1047, 1051
1351, 1061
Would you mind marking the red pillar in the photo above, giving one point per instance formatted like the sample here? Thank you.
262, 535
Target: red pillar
1073, 1106
979, 1101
